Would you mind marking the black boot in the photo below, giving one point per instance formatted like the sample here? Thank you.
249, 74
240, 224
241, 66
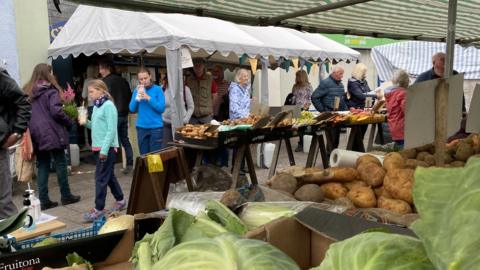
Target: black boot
48, 204
70, 200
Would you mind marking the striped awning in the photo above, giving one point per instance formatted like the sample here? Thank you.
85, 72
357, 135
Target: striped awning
416, 57
405, 19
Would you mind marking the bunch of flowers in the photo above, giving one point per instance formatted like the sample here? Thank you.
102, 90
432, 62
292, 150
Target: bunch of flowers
69, 106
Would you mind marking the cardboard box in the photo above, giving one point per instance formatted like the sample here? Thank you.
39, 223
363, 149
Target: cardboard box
307, 236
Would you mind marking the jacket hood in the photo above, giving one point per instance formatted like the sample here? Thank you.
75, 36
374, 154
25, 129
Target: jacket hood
41, 88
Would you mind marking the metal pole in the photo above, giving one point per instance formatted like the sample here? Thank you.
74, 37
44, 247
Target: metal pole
452, 20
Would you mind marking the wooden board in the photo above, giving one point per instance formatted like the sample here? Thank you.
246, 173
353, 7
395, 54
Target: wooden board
41, 229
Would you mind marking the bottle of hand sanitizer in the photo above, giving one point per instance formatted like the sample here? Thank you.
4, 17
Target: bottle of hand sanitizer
29, 222
35, 204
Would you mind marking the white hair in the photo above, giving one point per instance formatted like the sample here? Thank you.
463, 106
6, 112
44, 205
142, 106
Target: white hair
239, 73
401, 78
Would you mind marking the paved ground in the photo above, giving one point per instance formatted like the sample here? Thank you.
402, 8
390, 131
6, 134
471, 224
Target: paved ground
82, 183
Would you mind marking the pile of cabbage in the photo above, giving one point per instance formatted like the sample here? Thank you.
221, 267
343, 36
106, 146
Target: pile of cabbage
212, 240
448, 201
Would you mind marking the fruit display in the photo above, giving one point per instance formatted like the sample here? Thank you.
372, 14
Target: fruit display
306, 118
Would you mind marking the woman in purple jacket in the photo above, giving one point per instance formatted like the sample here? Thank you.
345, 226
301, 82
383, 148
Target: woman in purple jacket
49, 134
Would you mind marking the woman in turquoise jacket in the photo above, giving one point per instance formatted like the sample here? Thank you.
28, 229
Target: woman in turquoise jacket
105, 147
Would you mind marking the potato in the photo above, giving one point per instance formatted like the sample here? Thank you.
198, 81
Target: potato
368, 158
421, 155
340, 174
408, 153
322, 176
310, 193
399, 183
283, 181
362, 197
430, 148
381, 191
464, 151
333, 190
430, 160
393, 160
457, 163
413, 164
394, 205
371, 173
356, 183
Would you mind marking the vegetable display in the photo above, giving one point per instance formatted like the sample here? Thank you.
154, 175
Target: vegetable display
376, 251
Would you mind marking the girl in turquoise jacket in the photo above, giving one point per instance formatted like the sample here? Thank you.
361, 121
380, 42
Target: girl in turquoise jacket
105, 147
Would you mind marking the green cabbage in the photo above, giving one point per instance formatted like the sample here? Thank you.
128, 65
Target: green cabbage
448, 200
376, 251
255, 215
203, 227
221, 214
225, 252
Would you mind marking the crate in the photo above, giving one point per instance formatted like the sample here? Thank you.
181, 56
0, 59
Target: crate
65, 236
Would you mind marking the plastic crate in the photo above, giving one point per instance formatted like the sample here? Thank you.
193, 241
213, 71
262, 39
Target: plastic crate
65, 236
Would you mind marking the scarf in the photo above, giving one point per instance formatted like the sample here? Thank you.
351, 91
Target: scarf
99, 102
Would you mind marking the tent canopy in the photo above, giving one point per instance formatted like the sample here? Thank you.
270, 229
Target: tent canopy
406, 19
100, 30
415, 58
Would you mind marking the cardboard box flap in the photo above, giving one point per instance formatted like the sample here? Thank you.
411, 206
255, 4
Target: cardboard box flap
340, 227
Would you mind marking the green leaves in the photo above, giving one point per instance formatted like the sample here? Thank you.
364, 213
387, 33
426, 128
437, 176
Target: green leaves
376, 251
448, 200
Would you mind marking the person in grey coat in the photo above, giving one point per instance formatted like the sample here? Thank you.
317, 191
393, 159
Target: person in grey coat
323, 99
15, 111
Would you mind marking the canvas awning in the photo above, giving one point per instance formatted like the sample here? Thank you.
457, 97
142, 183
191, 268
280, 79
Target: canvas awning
415, 58
407, 19
100, 30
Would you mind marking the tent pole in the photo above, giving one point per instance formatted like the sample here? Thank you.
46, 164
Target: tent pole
175, 87
442, 89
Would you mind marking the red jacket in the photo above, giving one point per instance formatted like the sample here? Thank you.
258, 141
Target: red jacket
396, 101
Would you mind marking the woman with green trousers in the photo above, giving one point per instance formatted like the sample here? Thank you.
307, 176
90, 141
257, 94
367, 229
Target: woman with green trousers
105, 147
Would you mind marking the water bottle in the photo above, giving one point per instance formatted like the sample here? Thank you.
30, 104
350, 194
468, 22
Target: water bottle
35, 204
29, 224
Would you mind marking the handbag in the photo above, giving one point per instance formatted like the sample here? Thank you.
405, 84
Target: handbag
24, 159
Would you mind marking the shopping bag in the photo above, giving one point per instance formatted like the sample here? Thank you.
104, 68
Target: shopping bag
24, 168
24, 159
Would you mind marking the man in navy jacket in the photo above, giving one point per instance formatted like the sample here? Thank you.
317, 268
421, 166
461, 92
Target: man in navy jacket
323, 99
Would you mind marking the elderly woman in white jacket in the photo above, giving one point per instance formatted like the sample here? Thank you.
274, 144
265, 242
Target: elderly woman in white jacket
187, 108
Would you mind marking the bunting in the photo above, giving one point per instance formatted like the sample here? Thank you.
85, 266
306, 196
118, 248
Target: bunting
253, 64
295, 64
243, 58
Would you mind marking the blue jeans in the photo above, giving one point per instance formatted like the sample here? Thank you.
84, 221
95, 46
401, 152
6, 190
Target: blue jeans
399, 143
105, 177
43, 166
149, 139
123, 138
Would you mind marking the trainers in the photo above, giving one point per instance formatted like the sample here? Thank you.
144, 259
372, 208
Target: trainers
48, 204
127, 169
93, 215
118, 206
70, 200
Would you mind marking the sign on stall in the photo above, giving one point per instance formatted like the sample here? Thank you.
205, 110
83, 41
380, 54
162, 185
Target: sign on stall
420, 111
473, 121
186, 58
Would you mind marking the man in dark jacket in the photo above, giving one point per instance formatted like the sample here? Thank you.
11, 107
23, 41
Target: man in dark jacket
120, 91
437, 71
324, 98
14, 116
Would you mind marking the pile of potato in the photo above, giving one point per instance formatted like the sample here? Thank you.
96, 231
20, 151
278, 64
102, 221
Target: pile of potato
197, 131
368, 185
457, 153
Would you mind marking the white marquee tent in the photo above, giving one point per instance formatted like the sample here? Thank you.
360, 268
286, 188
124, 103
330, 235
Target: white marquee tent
104, 30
